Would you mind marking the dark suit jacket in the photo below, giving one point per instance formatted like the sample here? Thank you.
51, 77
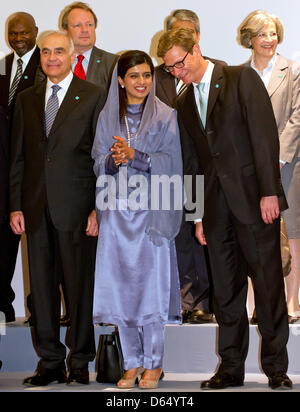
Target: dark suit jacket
30, 76
239, 146
58, 170
165, 83
100, 67
4, 166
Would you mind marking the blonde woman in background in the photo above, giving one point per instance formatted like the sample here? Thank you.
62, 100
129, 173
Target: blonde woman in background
262, 32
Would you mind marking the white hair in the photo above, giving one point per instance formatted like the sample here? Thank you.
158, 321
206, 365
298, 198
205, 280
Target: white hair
49, 33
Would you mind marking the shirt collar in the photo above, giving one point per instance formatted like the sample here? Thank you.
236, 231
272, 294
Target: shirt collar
86, 55
270, 66
26, 57
207, 75
64, 84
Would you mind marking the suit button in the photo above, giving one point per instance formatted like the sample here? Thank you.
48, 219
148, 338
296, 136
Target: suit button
48, 159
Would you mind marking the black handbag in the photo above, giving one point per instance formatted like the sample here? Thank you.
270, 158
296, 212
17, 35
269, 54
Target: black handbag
109, 361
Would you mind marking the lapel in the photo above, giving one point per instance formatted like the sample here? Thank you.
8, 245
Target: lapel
191, 112
167, 83
278, 75
216, 85
28, 76
94, 63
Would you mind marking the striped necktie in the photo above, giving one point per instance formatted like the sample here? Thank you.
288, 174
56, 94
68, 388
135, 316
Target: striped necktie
16, 81
180, 87
203, 103
51, 109
79, 70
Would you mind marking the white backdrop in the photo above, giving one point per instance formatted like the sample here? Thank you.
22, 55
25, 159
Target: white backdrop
136, 24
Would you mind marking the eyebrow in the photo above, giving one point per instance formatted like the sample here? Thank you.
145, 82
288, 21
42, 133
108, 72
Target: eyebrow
55, 49
139, 72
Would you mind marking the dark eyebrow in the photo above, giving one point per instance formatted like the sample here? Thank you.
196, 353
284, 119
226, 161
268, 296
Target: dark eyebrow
56, 49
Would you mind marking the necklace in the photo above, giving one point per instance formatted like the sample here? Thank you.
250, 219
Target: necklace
128, 132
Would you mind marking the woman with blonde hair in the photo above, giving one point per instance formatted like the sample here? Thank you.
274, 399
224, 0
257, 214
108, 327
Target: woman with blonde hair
261, 32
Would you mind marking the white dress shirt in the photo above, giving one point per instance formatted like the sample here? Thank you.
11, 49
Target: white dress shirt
25, 60
64, 84
267, 73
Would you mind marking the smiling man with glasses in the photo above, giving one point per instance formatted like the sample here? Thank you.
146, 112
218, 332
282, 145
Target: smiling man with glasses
192, 260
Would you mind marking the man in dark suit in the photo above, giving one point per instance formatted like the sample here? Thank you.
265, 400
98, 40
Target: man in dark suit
21, 71
52, 187
193, 263
229, 135
93, 64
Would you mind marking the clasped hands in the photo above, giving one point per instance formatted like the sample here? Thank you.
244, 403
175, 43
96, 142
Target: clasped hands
121, 151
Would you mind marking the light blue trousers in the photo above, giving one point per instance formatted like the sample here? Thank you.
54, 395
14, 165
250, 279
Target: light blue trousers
143, 346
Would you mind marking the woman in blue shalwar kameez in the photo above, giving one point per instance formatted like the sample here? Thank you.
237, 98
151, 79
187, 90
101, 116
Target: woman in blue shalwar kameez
137, 284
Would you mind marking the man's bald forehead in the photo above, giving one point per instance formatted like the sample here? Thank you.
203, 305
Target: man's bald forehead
21, 17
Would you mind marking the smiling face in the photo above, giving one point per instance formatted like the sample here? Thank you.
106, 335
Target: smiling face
137, 82
194, 64
82, 29
56, 59
22, 35
266, 42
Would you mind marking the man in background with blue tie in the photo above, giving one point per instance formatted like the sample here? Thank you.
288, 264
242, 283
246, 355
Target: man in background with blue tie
52, 187
229, 135
19, 71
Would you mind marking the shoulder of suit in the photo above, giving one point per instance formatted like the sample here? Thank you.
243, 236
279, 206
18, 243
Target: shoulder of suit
285, 63
104, 54
27, 93
238, 70
88, 86
215, 61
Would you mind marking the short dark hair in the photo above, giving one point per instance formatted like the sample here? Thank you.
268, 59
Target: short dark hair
127, 60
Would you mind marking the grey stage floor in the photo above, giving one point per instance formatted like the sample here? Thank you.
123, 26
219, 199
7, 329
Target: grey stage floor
190, 357
178, 383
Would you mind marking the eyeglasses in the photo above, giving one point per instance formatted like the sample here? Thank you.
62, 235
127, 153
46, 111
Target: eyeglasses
265, 36
178, 65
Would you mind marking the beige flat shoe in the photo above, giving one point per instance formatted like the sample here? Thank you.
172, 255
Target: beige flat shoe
151, 383
131, 382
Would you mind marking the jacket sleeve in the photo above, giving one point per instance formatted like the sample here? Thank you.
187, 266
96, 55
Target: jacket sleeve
263, 132
290, 135
17, 158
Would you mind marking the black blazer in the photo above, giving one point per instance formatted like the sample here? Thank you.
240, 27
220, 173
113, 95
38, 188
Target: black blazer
4, 167
30, 76
239, 146
58, 170
165, 83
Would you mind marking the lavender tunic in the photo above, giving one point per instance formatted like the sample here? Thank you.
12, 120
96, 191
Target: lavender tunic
136, 282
